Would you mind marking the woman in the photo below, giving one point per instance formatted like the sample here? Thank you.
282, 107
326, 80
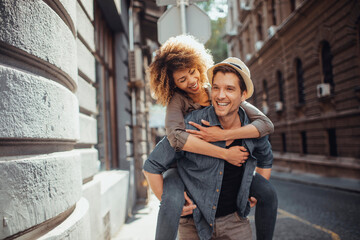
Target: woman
178, 80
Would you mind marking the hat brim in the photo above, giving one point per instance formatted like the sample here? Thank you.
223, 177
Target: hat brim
249, 84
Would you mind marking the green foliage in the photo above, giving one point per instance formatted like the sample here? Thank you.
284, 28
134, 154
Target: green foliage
206, 5
216, 43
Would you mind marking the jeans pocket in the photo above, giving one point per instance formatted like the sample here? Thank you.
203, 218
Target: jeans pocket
241, 219
184, 221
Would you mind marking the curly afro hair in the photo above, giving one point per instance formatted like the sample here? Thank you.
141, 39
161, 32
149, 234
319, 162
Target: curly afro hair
177, 53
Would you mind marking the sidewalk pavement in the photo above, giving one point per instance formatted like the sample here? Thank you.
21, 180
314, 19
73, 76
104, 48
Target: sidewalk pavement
143, 223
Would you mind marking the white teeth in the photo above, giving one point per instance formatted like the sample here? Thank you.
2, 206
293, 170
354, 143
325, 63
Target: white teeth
195, 86
223, 104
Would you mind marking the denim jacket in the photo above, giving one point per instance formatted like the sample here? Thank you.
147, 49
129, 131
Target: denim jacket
202, 175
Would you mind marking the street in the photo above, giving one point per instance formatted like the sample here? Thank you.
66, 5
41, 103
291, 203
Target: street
312, 212
305, 212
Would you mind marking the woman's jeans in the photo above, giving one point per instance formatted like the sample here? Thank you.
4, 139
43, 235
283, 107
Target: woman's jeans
172, 202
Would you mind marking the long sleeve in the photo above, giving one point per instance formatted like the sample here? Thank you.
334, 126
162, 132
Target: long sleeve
262, 123
174, 122
161, 158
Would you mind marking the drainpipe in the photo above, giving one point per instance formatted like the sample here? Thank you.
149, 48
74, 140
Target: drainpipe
131, 48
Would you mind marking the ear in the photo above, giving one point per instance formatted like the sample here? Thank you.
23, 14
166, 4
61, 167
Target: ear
243, 96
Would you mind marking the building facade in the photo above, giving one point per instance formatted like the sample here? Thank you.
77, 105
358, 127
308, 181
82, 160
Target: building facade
73, 115
304, 57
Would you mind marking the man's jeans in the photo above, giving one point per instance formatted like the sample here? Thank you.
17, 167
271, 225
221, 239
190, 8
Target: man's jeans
172, 202
231, 227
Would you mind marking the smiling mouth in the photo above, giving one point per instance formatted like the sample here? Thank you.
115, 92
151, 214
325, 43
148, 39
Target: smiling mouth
222, 104
195, 86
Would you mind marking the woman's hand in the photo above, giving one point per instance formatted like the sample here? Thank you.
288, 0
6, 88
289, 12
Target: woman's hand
236, 155
189, 206
208, 134
252, 201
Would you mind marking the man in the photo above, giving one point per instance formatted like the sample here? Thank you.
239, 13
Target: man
220, 190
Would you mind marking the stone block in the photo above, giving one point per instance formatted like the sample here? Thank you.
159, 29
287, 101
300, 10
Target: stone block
92, 192
85, 27
89, 162
34, 107
86, 61
129, 149
86, 95
76, 226
89, 8
114, 192
51, 42
69, 7
37, 188
129, 133
88, 130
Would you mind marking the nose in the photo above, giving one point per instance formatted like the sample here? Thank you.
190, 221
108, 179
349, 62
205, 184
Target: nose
192, 80
221, 94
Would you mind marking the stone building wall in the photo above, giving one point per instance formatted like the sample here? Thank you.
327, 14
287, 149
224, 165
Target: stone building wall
317, 132
50, 184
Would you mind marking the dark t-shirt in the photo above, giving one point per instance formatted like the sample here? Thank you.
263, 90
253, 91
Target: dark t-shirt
230, 186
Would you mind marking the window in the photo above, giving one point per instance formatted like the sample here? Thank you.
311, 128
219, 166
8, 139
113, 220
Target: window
326, 63
280, 81
300, 81
332, 142
273, 12
259, 27
106, 95
254, 98
358, 36
265, 97
292, 5
303, 142
283, 140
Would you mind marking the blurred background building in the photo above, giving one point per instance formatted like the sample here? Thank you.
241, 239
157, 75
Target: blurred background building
304, 56
73, 115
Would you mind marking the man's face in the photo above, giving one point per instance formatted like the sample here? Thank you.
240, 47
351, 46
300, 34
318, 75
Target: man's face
226, 94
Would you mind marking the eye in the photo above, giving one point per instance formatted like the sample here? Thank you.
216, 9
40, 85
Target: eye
182, 80
192, 71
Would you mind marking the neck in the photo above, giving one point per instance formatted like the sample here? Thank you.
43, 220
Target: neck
230, 122
201, 97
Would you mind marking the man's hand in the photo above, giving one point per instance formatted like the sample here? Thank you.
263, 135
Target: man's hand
252, 201
189, 206
208, 134
236, 155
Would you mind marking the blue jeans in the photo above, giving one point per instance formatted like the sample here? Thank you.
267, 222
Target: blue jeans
172, 202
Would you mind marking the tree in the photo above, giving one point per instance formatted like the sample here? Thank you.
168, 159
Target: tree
216, 43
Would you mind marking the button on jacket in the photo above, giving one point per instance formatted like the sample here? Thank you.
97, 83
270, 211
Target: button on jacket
202, 175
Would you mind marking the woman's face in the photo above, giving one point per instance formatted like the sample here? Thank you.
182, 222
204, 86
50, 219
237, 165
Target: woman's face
187, 80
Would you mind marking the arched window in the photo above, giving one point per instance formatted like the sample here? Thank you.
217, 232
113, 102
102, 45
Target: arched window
254, 98
358, 35
300, 81
292, 5
259, 26
265, 97
273, 12
326, 63
280, 81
